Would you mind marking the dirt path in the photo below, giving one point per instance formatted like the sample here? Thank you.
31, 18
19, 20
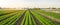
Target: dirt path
20, 19
51, 18
37, 22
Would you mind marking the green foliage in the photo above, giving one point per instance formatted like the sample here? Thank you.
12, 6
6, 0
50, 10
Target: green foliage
11, 19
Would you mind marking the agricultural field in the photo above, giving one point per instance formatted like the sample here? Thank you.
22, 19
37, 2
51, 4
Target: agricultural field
29, 17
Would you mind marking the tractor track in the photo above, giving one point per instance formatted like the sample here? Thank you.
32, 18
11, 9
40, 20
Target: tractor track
18, 22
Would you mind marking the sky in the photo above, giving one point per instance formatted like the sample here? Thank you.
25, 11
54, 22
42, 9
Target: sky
29, 3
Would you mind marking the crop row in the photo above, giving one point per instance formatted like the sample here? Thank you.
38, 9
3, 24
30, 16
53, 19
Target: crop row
31, 17
28, 19
52, 14
10, 19
43, 20
5, 12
